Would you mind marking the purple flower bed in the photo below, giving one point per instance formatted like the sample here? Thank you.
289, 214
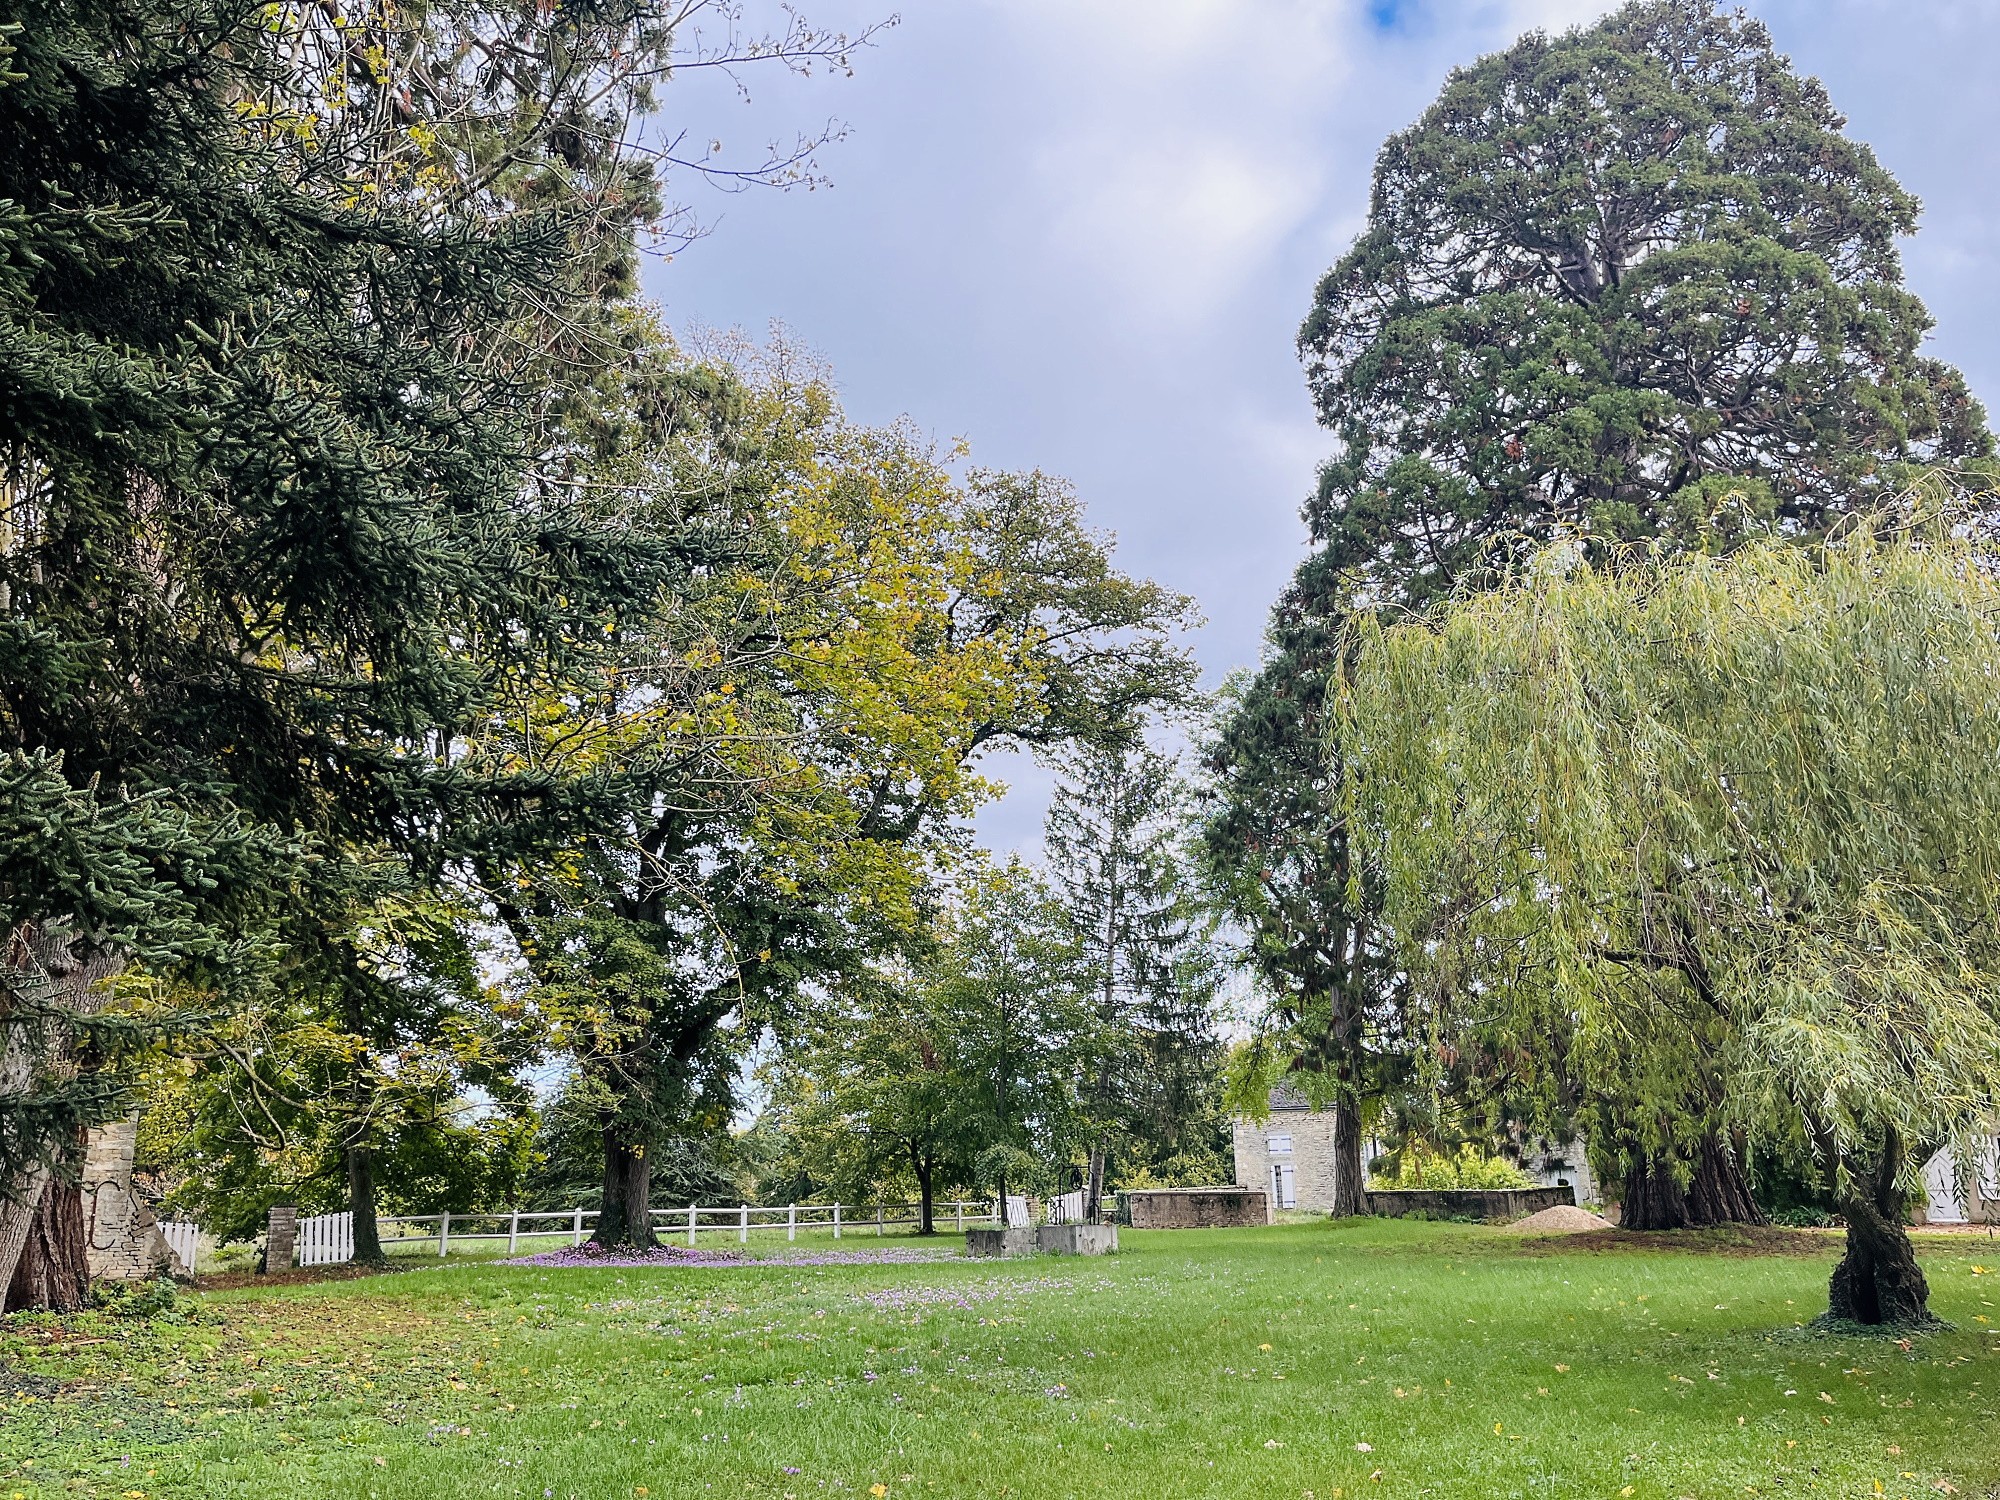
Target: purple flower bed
904, 1298
681, 1255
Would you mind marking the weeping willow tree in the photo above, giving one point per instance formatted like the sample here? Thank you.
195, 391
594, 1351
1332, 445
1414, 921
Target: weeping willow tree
1663, 824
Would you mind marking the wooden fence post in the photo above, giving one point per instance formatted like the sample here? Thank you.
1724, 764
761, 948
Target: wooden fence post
878, 1218
693, 1209
578, 1240
513, 1231
444, 1232
743, 1230
960, 1206
836, 1221
792, 1222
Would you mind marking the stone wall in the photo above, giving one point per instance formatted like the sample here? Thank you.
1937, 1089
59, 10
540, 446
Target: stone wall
1198, 1208
1499, 1205
125, 1243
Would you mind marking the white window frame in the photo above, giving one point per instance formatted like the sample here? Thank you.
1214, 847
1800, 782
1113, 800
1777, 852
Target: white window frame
1278, 1145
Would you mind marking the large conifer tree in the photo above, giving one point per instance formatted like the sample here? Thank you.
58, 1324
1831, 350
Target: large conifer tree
1633, 279
279, 311
1116, 861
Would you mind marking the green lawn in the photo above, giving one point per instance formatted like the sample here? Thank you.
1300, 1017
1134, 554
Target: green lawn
1306, 1360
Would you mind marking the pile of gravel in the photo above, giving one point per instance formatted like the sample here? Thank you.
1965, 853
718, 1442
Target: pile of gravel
1564, 1218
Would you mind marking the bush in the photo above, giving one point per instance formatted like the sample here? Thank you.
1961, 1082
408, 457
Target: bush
1419, 1167
1806, 1216
138, 1299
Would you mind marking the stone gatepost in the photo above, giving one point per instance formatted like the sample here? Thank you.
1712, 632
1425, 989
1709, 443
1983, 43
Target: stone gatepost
125, 1242
281, 1240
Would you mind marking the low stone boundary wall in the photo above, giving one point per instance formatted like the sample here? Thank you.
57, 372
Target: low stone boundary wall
1198, 1208
1005, 1243
1077, 1239
1498, 1204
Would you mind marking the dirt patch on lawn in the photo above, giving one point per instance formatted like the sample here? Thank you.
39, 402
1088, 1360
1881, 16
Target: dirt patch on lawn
1724, 1239
233, 1281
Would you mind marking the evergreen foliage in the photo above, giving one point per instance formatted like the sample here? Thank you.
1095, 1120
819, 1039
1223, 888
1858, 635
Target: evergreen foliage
292, 303
1117, 862
1276, 858
1636, 280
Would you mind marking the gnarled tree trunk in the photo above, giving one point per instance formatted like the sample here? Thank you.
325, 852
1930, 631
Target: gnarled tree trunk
53, 1271
40, 960
1716, 1191
1719, 1193
625, 1216
1878, 1281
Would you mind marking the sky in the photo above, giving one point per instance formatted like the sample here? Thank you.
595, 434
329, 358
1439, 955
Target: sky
1081, 234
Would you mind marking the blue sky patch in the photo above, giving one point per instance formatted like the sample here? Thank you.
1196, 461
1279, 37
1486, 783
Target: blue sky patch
1391, 15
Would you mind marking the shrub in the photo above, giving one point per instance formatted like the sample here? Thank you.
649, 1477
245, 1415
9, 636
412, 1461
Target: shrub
138, 1299
1420, 1167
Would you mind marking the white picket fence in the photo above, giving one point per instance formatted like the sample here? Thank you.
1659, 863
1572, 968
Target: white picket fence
185, 1241
1066, 1208
328, 1239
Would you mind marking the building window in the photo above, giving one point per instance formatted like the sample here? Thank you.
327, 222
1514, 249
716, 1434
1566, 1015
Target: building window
1279, 1145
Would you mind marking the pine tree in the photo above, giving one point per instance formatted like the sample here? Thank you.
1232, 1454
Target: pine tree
1114, 845
1277, 857
274, 376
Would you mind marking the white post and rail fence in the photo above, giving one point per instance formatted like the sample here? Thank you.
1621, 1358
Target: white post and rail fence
328, 1239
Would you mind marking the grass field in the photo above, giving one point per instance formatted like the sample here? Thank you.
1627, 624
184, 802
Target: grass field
1312, 1360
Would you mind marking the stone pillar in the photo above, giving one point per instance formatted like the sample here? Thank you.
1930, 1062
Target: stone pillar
281, 1240
125, 1243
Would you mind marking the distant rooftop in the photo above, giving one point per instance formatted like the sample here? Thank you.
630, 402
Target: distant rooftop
1287, 1096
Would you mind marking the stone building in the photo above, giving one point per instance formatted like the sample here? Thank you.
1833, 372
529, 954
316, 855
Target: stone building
1973, 1200
1289, 1155
125, 1243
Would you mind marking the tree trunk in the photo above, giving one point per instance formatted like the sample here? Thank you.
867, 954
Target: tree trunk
52, 1272
1350, 1196
1716, 1190
1718, 1193
625, 1217
1654, 1197
1878, 1281
361, 1201
360, 1160
40, 958
924, 1170
1093, 1185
